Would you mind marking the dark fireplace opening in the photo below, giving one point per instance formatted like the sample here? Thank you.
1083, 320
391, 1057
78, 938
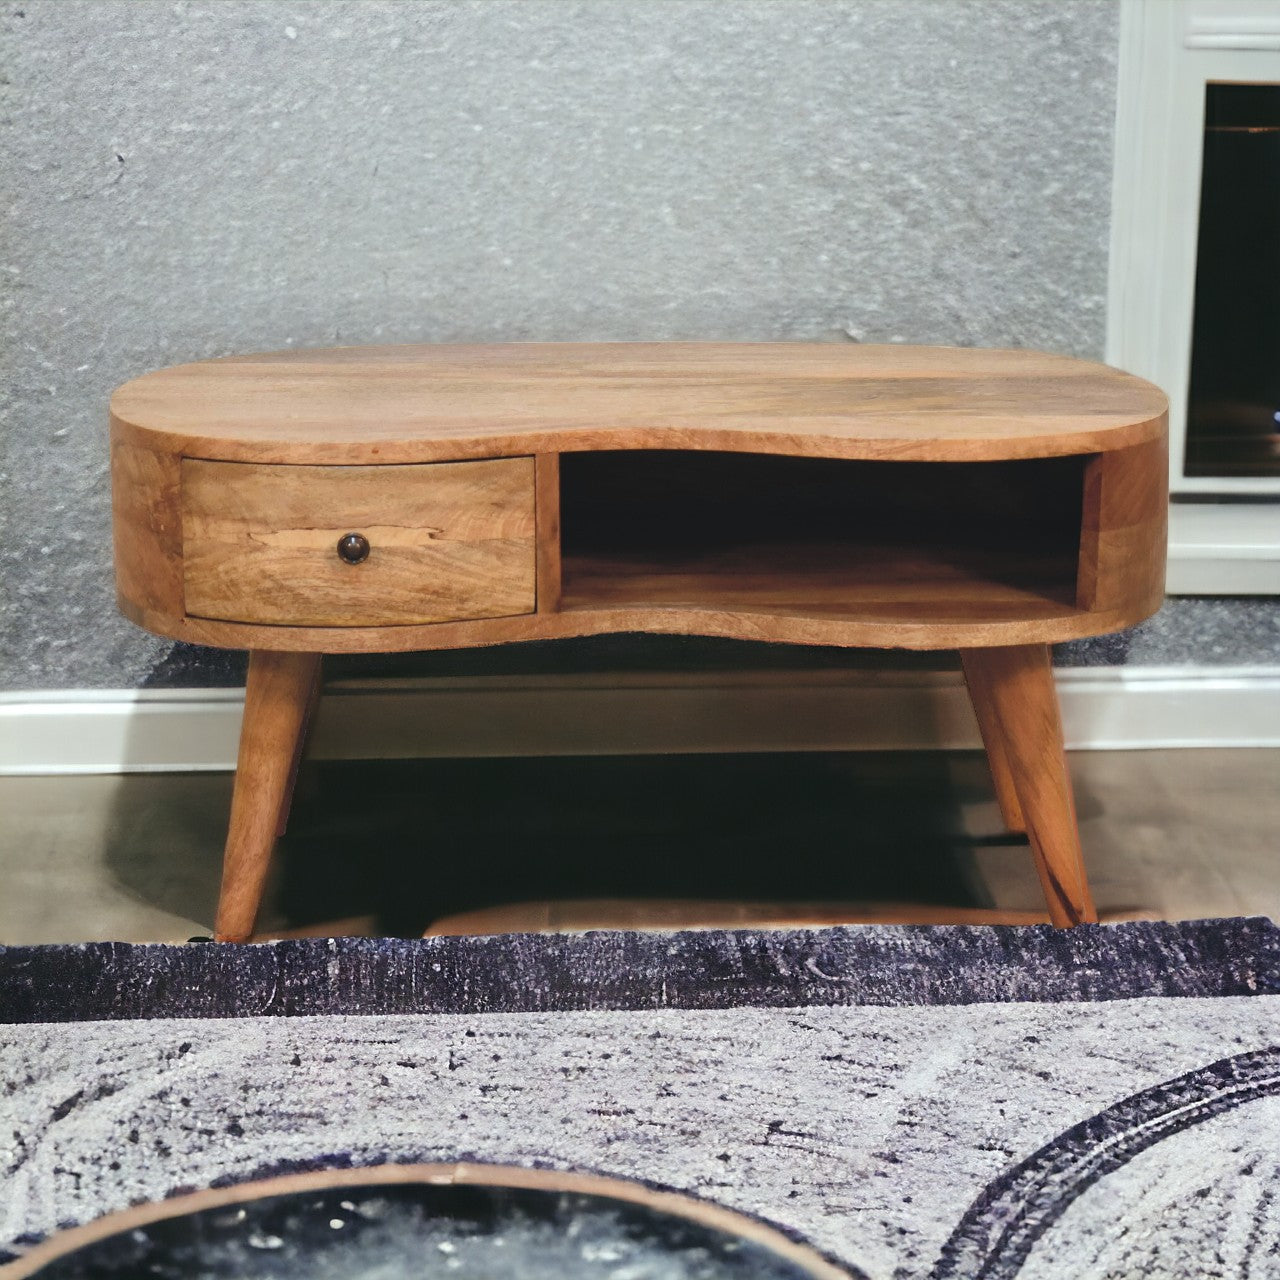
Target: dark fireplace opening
1233, 413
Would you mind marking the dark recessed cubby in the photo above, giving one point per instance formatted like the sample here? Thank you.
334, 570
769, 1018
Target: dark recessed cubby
823, 537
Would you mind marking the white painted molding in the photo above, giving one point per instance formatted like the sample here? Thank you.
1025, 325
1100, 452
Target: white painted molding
114, 731
1235, 25
1223, 550
1155, 205
1169, 51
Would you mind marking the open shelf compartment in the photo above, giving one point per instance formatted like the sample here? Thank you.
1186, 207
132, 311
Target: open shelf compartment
898, 541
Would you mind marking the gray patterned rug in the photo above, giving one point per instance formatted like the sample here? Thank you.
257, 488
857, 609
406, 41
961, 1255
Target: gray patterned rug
913, 1102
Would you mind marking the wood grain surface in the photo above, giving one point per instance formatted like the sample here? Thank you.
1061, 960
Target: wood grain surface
1125, 528
905, 630
994, 743
423, 403
278, 697
1033, 512
547, 484
1013, 687
448, 541
146, 512
990, 501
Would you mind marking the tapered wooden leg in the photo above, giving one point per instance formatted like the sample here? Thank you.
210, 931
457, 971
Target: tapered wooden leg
975, 677
277, 696
1016, 685
286, 800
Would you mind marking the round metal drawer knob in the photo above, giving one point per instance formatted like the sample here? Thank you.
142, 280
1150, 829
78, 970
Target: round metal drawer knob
353, 547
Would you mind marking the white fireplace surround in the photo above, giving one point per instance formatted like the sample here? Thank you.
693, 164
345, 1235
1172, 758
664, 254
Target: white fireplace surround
1169, 51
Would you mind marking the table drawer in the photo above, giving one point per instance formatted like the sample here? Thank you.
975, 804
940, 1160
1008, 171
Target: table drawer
446, 541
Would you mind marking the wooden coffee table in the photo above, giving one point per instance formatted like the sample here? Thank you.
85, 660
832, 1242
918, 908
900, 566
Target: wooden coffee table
438, 497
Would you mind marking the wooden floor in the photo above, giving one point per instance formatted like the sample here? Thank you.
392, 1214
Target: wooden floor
1179, 834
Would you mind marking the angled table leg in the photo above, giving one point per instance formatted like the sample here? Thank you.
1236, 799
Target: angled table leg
975, 676
286, 800
1017, 709
278, 696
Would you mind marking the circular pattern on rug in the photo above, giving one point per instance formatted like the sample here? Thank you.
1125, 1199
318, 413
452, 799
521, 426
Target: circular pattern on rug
374, 1224
1187, 1192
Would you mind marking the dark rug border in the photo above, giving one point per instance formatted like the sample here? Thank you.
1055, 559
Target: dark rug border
530, 973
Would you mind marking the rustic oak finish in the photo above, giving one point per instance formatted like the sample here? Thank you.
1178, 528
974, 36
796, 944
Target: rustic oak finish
990, 501
448, 540
1022, 730
279, 696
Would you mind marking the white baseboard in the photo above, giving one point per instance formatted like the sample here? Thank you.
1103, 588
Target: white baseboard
115, 731
1216, 549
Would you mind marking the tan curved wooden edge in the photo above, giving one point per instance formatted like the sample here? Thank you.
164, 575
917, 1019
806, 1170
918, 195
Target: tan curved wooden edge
691, 1209
914, 497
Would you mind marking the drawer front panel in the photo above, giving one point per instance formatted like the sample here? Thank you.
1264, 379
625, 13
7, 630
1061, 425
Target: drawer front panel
447, 541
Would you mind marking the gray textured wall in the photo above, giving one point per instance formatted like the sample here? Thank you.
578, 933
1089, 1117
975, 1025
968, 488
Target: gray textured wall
191, 179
